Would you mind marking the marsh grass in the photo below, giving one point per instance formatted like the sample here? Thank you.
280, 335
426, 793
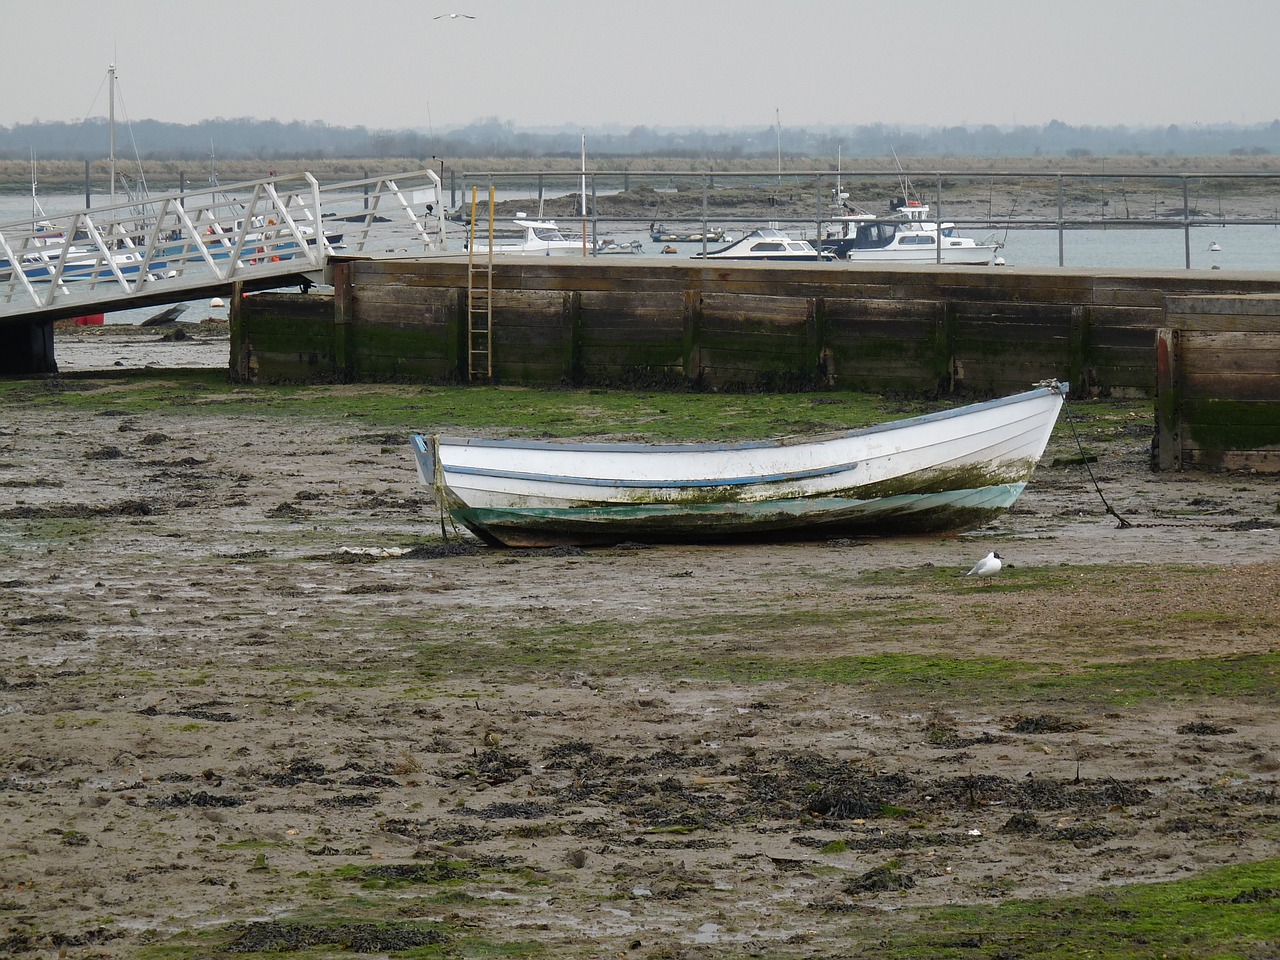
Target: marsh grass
1226, 914
1230, 913
515, 411
750, 648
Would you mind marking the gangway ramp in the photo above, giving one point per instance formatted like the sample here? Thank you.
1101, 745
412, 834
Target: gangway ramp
278, 231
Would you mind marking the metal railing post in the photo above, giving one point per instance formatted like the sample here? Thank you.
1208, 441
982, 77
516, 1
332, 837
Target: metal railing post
1061, 258
706, 191
938, 220
817, 192
1186, 223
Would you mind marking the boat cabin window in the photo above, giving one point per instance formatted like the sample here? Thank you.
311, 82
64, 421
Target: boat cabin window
767, 246
873, 235
797, 247
544, 233
917, 240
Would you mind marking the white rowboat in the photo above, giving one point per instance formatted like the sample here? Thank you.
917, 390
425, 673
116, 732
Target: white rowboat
945, 471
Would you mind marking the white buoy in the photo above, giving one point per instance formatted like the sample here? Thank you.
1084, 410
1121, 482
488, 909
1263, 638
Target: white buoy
216, 302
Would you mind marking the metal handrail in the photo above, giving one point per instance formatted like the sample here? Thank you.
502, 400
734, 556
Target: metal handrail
822, 185
213, 238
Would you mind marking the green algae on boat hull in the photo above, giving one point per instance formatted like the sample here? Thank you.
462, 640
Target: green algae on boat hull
805, 518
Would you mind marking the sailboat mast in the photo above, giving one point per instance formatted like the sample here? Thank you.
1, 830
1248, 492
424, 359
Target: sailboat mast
111, 129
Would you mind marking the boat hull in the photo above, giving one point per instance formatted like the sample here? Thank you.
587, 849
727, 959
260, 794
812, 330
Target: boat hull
79, 266
947, 471
967, 255
802, 519
520, 249
767, 244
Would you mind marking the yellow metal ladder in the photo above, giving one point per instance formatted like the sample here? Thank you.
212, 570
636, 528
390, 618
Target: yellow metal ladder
480, 302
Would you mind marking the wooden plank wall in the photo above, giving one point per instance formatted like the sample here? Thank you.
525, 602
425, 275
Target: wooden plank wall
1218, 400
398, 324
284, 337
636, 341
649, 322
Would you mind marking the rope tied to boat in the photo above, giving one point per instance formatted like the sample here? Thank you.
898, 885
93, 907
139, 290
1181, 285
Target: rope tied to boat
1122, 523
447, 520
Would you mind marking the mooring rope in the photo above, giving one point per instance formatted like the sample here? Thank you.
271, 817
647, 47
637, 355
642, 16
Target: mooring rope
1084, 458
442, 498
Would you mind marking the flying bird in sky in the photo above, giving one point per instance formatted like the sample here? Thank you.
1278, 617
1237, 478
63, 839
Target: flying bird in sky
454, 16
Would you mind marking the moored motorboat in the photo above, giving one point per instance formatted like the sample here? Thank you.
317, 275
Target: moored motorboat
904, 235
539, 238
45, 256
767, 243
945, 471
68, 263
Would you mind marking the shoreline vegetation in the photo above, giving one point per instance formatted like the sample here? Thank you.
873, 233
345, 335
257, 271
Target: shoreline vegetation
166, 175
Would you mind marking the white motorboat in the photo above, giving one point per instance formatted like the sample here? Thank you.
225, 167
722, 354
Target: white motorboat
538, 238
904, 235
767, 243
951, 470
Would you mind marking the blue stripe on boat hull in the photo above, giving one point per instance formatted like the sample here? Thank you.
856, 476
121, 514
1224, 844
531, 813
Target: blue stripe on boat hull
810, 519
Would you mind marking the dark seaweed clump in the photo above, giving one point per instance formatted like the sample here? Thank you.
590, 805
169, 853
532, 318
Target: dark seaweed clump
1046, 723
197, 798
356, 937
1201, 729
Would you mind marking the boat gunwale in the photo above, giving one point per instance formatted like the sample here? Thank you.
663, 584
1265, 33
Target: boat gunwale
641, 484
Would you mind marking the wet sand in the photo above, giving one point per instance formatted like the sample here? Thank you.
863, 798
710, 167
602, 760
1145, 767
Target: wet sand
250, 699
181, 345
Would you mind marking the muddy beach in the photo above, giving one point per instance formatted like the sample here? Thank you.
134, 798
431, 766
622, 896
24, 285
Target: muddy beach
251, 701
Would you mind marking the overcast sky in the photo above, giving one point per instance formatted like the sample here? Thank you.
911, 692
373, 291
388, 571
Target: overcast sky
388, 64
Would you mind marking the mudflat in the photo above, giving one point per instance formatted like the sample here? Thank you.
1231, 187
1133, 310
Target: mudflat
252, 700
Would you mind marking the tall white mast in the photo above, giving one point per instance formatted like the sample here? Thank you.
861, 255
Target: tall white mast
111, 129
777, 122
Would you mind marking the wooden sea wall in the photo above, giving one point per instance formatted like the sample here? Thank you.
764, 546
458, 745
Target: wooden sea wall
1218, 384
641, 321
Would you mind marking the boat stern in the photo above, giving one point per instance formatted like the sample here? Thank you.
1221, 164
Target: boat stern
424, 457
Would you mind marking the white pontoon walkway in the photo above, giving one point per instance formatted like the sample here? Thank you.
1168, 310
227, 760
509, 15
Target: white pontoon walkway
261, 234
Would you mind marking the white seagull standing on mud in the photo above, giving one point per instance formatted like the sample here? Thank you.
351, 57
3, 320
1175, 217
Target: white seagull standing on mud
986, 567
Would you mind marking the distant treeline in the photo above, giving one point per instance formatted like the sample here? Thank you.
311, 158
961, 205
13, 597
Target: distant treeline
270, 139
